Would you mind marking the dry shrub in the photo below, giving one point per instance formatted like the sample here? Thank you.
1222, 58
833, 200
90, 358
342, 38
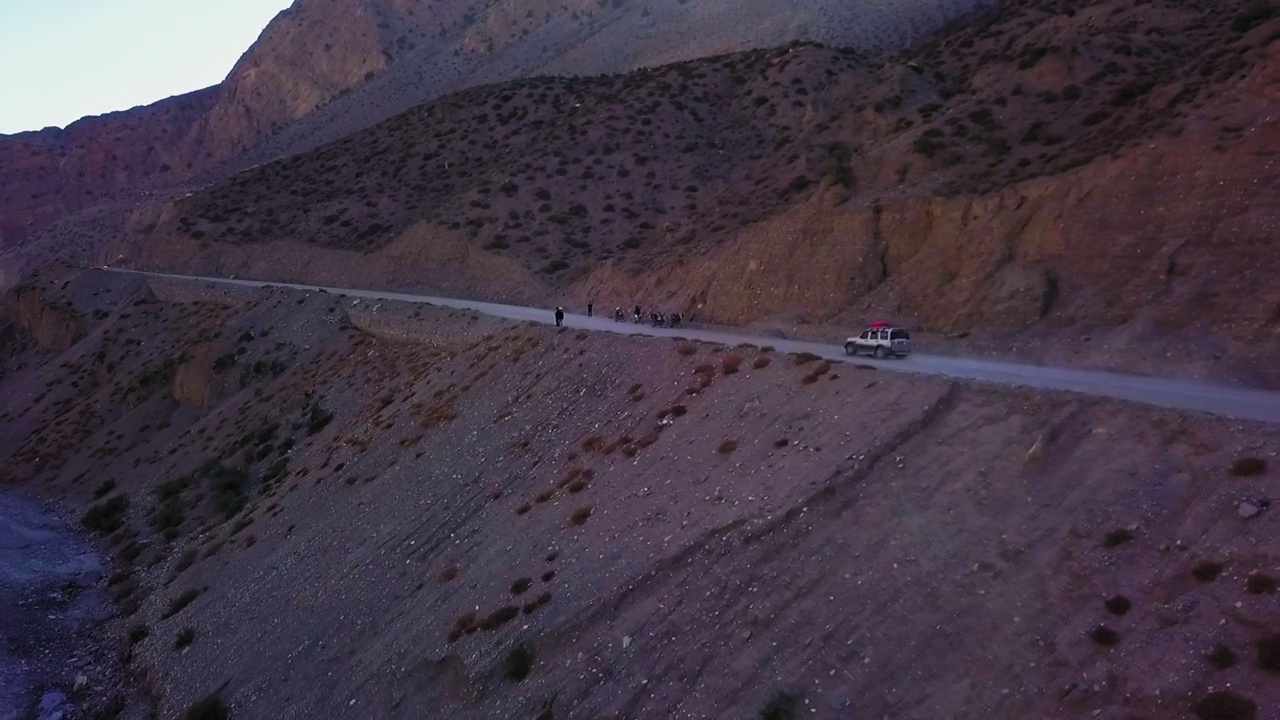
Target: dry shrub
727, 447
499, 617
448, 572
1222, 658
570, 475
730, 363
762, 362
1207, 571
580, 515
674, 411
804, 358
1248, 467
1117, 537
436, 416
536, 603
577, 486
1269, 654
521, 585
1105, 636
1225, 705
463, 624
595, 443
524, 509
1118, 605
1261, 584
705, 369
817, 372
545, 495
687, 349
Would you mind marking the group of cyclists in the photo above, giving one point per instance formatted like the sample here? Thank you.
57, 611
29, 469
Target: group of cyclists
656, 318
637, 315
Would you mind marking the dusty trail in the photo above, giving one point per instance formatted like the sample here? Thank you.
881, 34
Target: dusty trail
1235, 402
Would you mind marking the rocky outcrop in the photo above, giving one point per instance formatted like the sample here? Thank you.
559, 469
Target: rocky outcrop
52, 326
195, 384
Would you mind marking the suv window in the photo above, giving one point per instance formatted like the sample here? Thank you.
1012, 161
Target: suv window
899, 335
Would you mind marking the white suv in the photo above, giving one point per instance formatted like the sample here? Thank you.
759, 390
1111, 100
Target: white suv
881, 341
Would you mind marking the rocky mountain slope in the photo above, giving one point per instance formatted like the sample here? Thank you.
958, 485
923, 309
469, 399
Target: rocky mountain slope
1100, 168
361, 61
321, 507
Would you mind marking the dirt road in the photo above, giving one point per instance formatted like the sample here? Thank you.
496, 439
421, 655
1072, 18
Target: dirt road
1236, 402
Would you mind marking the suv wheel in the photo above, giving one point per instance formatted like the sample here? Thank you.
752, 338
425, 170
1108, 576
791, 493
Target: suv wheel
880, 351
850, 349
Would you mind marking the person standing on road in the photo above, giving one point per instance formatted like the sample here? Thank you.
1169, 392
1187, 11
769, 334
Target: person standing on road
559, 317
590, 308
637, 314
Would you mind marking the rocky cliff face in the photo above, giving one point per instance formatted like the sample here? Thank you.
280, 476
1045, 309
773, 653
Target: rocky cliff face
49, 174
52, 326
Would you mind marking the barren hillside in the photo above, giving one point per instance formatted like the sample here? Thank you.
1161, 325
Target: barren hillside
318, 507
1097, 168
361, 61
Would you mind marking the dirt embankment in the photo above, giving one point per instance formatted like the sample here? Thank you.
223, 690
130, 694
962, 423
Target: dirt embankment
510, 521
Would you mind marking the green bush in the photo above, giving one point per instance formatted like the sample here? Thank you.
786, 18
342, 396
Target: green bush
106, 517
782, 706
520, 662
210, 707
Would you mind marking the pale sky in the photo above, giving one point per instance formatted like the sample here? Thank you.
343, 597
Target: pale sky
61, 60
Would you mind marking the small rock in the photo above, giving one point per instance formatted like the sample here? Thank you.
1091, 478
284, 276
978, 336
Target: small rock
51, 706
81, 681
1247, 510
626, 641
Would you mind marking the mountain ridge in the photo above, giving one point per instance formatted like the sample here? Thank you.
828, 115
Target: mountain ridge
392, 55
